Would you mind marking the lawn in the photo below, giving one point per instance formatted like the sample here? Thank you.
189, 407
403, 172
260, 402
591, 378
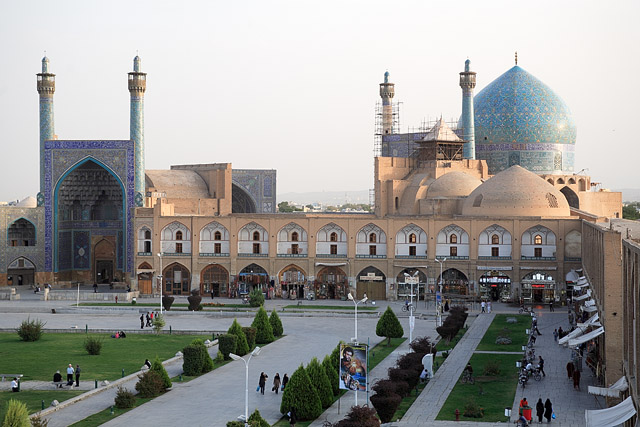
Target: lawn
105, 416
327, 307
515, 331
40, 359
491, 393
34, 398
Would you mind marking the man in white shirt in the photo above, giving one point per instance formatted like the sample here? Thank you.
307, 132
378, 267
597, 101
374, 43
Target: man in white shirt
14, 385
70, 372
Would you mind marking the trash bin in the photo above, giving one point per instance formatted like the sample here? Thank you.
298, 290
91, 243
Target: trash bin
526, 412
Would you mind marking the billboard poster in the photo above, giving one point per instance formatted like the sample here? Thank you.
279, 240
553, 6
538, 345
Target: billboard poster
353, 367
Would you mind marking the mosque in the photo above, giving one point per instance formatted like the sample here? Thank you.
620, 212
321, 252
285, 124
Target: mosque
490, 207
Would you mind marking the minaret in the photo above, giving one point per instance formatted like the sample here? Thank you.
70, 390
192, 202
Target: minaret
468, 83
387, 91
46, 88
137, 87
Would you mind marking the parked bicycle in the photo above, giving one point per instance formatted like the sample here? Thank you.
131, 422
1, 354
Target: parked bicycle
467, 377
524, 309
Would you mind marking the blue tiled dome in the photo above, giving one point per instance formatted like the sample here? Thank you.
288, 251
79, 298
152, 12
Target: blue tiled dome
520, 121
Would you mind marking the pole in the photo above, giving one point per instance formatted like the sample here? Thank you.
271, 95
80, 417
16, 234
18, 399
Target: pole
78, 297
411, 315
161, 277
246, 392
356, 336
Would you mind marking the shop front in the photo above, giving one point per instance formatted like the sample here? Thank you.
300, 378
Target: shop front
331, 283
372, 282
292, 283
495, 286
251, 277
214, 281
405, 279
538, 288
454, 282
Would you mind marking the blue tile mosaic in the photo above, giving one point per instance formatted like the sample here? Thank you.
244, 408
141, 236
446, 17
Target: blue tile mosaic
81, 250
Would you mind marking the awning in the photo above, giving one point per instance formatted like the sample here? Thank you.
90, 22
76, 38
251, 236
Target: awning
590, 309
590, 303
592, 320
145, 270
586, 337
571, 335
611, 416
613, 391
331, 264
571, 276
580, 286
585, 296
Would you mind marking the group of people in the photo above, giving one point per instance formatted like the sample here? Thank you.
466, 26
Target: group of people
574, 374
71, 372
278, 383
149, 319
542, 410
485, 307
119, 334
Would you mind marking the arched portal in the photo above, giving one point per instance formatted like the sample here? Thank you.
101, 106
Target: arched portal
495, 285
214, 281
89, 207
572, 197
21, 271
251, 277
405, 279
454, 281
293, 280
241, 201
332, 283
176, 280
145, 278
372, 282
538, 287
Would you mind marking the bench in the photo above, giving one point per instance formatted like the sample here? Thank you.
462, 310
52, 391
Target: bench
61, 384
10, 376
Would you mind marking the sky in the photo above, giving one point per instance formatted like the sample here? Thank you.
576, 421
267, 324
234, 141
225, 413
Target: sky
292, 85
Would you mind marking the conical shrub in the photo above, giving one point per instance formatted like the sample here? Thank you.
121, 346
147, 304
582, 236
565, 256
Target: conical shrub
320, 382
17, 414
300, 395
159, 368
389, 326
276, 324
242, 347
264, 332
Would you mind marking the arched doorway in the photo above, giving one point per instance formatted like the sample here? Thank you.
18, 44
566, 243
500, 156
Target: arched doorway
21, 272
251, 277
404, 279
571, 196
372, 282
214, 280
176, 280
145, 278
454, 281
105, 256
538, 287
292, 281
332, 283
241, 201
495, 285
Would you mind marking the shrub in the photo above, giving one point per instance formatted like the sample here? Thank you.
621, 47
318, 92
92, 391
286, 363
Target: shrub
264, 333
93, 345
388, 387
250, 333
30, 330
412, 361
167, 302
124, 398
134, 302
473, 410
150, 384
301, 395
242, 347
157, 366
492, 368
193, 360
331, 364
389, 326
276, 324
410, 376
447, 331
359, 416
38, 421
17, 414
386, 405
194, 300
158, 323
423, 345
256, 420
256, 298
219, 357
320, 382
226, 345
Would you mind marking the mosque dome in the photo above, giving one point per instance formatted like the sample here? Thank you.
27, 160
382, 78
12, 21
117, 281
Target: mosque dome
516, 192
520, 121
453, 184
178, 184
27, 202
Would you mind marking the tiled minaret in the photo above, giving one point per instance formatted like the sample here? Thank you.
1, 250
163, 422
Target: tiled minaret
468, 83
46, 88
387, 91
137, 87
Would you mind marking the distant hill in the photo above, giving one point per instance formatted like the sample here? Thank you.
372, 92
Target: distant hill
326, 197
630, 194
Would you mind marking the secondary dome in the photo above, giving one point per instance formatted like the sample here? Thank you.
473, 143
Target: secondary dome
520, 121
453, 184
516, 192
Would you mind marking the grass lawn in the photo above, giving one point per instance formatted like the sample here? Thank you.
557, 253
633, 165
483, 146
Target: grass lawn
443, 345
516, 331
327, 307
34, 398
40, 359
105, 416
491, 393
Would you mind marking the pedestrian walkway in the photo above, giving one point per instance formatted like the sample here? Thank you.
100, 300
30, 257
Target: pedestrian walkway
426, 407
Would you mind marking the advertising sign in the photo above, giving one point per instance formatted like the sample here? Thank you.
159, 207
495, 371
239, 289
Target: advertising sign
353, 367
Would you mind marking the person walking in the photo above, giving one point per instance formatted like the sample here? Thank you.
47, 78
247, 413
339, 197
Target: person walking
70, 374
15, 387
482, 307
555, 334
541, 365
262, 382
142, 321
285, 380
540, 410
77, 375
276, 383
548, 410
576, 379
551, 306
570, 369
148, 319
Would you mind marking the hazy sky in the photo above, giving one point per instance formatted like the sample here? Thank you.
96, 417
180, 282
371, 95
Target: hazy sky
292, 85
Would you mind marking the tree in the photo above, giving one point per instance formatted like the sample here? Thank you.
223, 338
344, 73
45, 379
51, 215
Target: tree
300, 395
159, 368
242, 347
320, 382
630, 211
331, 364
286, 207
264, 332
389, 326
17, 414
359, 416
276, 324
256, 297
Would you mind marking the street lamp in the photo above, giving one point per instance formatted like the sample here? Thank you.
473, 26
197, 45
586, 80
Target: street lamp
255, 352
411, 280
439, 313
355, 303
160, 276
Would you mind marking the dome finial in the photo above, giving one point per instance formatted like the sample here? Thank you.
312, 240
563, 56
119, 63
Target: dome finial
386, 76
516, 57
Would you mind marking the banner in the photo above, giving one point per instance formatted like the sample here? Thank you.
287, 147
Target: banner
353, 367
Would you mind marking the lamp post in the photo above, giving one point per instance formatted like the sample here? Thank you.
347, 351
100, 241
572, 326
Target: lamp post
160, 276
411, 280
355, 303
255, 352
438, 312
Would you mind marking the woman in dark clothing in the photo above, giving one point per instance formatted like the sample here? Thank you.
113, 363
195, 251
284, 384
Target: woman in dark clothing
292, 417
540, 410
285, 380
570, 370
276, 383
262, 382
548, 410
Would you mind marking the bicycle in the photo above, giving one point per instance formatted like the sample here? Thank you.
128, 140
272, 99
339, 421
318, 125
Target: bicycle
467, 377
408, 307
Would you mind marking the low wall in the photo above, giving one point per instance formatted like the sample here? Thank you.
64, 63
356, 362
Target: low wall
72, 295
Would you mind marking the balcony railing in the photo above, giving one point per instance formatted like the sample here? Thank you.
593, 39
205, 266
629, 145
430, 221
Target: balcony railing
292, 255
371, 256
495, 258
572, 259
145, 253
214, 254
452, 258
538, 258
411, 257
243, 255
176, 254
331, 255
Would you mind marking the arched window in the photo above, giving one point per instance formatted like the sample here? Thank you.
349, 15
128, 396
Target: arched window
495, 239
453, 238
147, 234
372, 238
294, 236
256, 235
412, 238
333, 237
537, 240
178, 235
217, 236
22, 233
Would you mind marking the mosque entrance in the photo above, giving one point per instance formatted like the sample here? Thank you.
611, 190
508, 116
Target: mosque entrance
21, 272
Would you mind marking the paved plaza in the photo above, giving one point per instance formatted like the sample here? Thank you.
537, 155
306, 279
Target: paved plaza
218, 397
